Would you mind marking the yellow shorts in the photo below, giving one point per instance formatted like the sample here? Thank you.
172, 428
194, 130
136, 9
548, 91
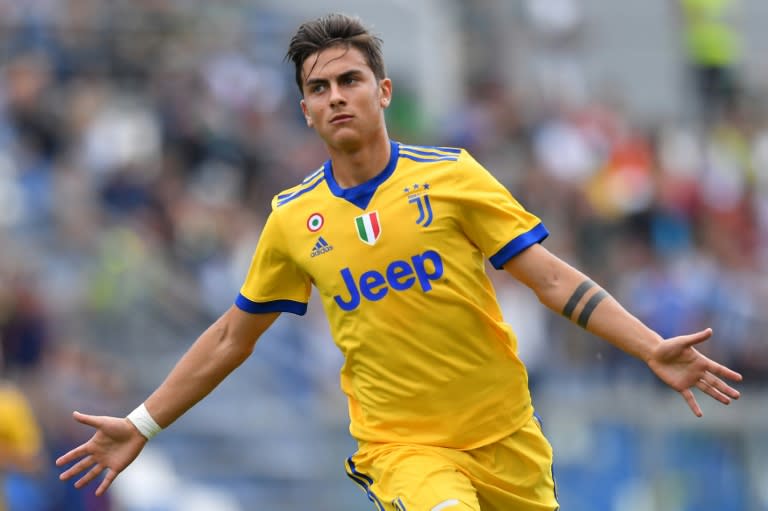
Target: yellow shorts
514, 473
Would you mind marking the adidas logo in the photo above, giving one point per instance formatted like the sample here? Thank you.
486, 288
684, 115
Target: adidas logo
321, 247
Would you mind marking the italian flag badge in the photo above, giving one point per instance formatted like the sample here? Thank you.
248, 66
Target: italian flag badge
368, 227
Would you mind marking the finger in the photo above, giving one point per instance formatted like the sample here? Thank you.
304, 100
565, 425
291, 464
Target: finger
724, 372
77, 452
108, 478
89, 420
77, 468
696, 338
721, 386
712, 392
90, 476
691, 400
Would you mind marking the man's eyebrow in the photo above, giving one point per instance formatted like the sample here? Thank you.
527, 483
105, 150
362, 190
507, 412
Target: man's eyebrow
350, 73
345, 74
313, 81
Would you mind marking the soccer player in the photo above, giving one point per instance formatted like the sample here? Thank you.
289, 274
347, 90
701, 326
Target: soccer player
21, 438
394, 238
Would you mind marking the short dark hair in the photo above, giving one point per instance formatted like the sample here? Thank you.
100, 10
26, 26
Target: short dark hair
334, 30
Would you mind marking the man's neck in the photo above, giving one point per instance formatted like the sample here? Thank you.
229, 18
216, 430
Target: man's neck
357, 166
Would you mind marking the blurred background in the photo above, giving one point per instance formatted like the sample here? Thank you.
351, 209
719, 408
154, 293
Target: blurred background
141, 142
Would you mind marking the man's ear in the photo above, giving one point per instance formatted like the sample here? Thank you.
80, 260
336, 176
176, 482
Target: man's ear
385, 92
304, 110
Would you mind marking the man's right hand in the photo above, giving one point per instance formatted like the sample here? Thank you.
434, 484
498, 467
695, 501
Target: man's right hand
113, 447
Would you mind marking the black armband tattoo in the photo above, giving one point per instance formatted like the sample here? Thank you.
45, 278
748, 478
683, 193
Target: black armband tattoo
589, 307
577, 295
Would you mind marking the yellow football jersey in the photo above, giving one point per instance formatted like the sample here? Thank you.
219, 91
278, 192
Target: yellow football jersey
399, 263
19, 431
20, 435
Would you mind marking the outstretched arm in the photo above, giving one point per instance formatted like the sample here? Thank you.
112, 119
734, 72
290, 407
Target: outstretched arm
675, 361
225, 345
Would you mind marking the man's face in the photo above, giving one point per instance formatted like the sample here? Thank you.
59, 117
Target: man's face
343, 100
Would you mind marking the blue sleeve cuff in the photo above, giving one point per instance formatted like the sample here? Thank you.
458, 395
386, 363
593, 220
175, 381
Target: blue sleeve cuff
291, 306
517, 245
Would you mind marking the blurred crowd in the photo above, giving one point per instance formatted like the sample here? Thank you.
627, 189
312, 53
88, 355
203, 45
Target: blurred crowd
141, 143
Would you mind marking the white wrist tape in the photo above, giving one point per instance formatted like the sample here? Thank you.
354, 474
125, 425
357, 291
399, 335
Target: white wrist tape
144, 422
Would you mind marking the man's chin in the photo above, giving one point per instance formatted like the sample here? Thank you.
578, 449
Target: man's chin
346, 143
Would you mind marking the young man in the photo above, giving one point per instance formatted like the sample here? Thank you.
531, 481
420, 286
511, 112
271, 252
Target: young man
394, 238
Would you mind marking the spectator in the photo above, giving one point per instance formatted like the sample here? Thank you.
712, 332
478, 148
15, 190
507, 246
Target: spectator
713, 50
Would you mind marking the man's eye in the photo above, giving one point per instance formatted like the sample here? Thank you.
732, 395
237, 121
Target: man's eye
317, 88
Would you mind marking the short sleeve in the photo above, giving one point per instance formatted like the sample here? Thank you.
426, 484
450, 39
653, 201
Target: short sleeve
274, 282
491, 217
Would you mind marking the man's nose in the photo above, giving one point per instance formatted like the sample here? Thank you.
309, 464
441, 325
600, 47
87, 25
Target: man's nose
336, 96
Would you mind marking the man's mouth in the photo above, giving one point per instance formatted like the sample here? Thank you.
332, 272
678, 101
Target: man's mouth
338, 119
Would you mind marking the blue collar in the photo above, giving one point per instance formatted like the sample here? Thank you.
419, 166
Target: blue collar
362, 194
